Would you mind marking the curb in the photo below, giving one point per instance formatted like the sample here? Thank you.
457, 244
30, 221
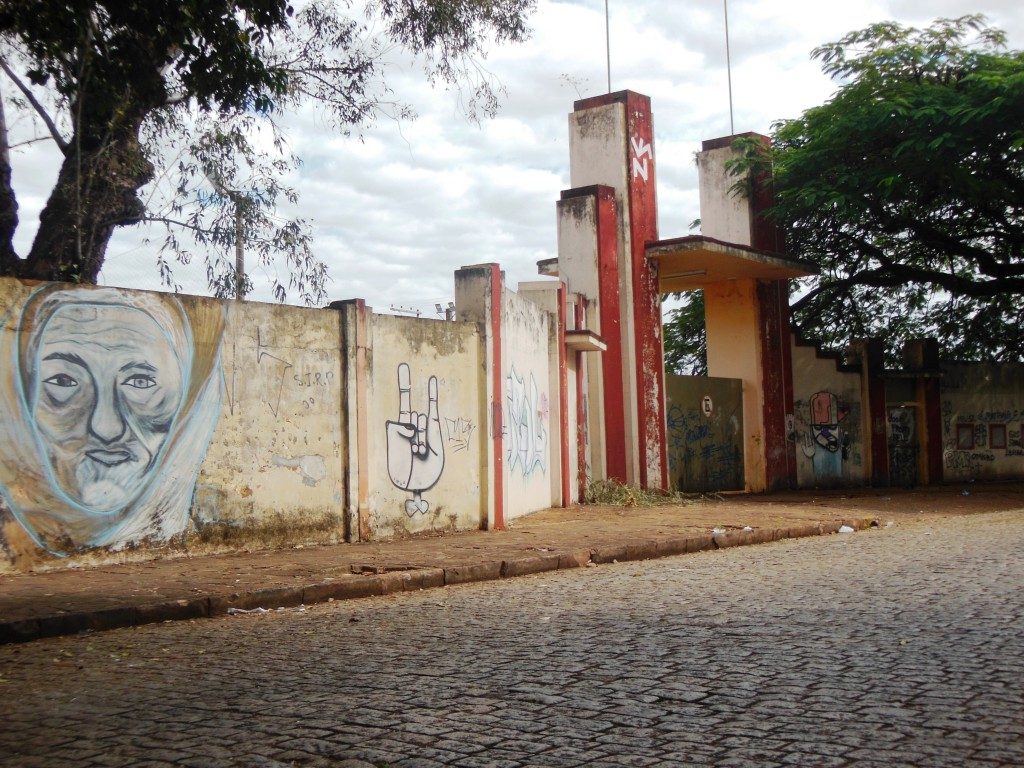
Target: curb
388, 583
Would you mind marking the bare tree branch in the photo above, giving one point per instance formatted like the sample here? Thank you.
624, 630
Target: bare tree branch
40, 110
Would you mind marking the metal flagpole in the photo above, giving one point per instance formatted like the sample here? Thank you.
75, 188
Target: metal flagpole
728, 64
608, 43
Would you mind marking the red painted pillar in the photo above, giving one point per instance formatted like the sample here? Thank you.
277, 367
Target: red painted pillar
776, 348
582, 476
932, 429
777, 383
495, 290
563, 397
872, 355
609, 313
640, 198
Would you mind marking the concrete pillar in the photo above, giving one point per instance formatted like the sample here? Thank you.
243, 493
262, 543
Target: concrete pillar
748, 320
588, 260
611, 143
478, 299
353, 315
922, 356
872, 365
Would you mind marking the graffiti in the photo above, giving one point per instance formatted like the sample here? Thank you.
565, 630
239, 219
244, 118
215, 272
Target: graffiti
527, 412
314, 379
823, 437
415, 445
903, 448
1014, 439
110, 400
460, 433
641, 152
704, 450
274, 384
965, 461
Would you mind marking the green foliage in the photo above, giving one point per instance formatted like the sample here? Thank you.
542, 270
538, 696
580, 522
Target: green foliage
907, 188
181, 98
685, 337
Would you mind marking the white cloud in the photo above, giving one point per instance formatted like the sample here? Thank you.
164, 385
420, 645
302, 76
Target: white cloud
398, 211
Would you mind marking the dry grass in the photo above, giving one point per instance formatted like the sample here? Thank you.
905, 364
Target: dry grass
615, 494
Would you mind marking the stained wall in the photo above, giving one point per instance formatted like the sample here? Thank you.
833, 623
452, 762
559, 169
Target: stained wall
425, 382
982, 421
828, 421
530, 405
135, 423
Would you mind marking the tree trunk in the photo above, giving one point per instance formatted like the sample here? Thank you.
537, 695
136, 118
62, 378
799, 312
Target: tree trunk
96, 191
9, 261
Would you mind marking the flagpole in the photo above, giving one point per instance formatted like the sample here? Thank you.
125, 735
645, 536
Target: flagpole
608, 43
728, 65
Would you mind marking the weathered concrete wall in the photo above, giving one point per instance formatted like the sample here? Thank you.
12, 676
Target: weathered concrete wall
136, 423
723, 215
530, 406
731, 310
983, 421
705, 433
828, 421
425, 383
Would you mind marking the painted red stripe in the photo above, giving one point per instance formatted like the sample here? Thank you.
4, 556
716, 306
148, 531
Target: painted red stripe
650, 361
563, 395
611, 332
496, 395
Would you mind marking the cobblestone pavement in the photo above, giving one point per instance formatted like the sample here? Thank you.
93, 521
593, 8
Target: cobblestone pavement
901, 646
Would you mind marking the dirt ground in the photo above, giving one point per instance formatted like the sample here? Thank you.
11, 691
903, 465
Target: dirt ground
553, 531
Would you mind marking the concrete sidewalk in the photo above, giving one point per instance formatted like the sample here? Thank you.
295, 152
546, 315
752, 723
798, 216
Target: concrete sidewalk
40, 605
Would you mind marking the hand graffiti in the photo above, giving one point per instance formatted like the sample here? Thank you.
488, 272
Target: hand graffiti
415, 445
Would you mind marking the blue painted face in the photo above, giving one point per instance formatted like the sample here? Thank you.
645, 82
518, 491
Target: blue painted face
107, 386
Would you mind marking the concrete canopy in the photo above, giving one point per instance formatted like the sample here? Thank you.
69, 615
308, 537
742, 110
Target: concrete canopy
690, 263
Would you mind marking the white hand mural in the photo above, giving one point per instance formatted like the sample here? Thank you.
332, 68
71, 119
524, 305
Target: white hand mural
415, 444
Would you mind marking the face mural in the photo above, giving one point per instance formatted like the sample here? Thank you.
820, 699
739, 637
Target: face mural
105, 386
109, 416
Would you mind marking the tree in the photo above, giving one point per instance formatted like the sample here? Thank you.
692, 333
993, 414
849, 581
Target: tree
685, 337
907, 189
137, 92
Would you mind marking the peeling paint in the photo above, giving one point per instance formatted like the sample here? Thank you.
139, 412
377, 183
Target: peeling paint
313, 469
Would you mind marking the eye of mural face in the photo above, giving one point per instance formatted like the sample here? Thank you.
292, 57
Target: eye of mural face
61, 380
139, 381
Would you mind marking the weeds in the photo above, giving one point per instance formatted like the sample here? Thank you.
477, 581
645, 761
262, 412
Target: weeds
615, 494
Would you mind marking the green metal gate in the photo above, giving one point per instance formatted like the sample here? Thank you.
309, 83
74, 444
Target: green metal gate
705, 433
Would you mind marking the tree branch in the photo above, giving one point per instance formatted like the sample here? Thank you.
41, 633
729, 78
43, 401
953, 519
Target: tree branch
30, 97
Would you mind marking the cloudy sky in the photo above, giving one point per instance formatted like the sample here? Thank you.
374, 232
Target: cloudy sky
397, 211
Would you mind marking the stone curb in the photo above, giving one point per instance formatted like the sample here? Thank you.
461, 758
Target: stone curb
399, 581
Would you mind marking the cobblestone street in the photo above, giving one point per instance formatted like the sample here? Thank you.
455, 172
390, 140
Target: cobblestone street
900, 646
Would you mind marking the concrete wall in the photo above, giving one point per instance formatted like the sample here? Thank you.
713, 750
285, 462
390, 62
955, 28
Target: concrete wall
134, 420
982, 403
724, 215
530, 406
140, 425
828, 421
731, 310
425, 382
